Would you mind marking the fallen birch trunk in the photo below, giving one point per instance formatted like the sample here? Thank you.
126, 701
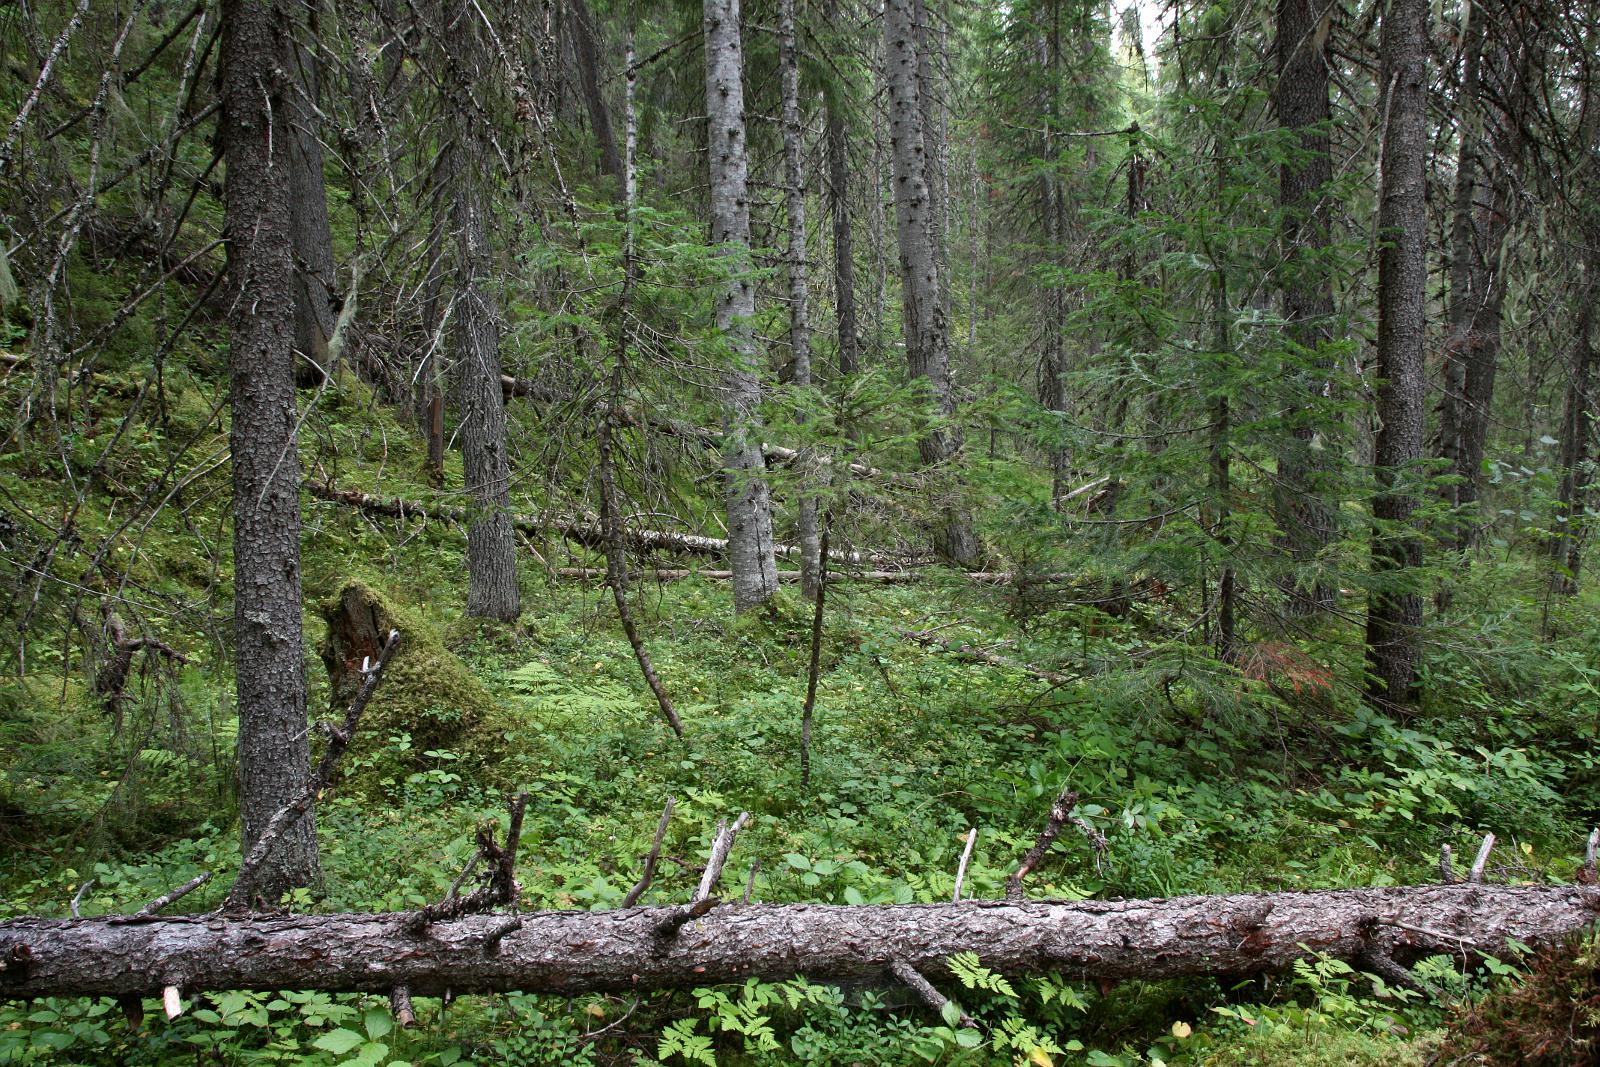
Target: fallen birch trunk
637, 949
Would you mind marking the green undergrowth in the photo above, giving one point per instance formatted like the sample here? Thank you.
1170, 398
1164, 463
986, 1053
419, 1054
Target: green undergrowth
1204, 777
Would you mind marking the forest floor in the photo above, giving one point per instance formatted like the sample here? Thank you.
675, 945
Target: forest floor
1203, 777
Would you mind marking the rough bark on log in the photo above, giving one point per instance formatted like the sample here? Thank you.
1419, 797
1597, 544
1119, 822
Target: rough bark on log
573, 952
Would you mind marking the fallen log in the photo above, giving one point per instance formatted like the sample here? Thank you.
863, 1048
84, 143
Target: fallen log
587, 532
904, 576
636, 949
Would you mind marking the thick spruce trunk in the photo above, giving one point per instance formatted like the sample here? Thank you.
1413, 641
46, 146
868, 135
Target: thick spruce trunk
578, 952
1394, 612
269, 649
749, 502
1300, 98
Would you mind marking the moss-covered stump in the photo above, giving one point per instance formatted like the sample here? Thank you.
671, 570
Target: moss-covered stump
1549, 1019
427, 691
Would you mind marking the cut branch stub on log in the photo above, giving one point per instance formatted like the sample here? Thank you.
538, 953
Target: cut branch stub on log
578, 952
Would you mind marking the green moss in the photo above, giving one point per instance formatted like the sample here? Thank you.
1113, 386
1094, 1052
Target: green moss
427, 692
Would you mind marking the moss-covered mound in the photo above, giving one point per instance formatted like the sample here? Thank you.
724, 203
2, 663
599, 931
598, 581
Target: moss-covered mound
1550, 1019
427, 692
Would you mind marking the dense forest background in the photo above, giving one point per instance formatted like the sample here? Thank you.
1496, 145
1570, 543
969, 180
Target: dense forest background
882, 418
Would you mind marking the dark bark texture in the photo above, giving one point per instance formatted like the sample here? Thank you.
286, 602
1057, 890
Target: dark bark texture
625, 950
269, 649
1394, 612
475, 342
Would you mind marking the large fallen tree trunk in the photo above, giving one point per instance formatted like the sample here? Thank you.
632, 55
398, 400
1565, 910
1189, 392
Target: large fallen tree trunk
585, 531
662, 947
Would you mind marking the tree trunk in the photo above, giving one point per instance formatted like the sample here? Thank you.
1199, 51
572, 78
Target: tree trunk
1300, 97
1477, 283
314, 312
844, 252
576, 952
927, 328
749, 503
475, 352
1053, 379
1577, 435
806, 532
269, 649
1394, 613
586, 49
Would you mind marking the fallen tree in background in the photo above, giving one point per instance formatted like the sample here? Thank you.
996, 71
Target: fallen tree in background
904, 576
587, 532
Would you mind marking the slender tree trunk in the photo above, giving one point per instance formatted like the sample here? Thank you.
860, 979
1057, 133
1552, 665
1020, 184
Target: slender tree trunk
586, 49
610, 497
311, 237
927, 327
844, 252
1577, 437
806, 532
1394, 613
269, 649
1300, 97
429, 385
1053, 391
475, 354
1477, 282
749, 504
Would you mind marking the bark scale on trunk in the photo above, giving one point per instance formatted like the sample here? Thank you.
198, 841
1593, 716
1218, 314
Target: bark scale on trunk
626, 950
475, 342
1394, 612
927, 327
749, 502
269, 648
